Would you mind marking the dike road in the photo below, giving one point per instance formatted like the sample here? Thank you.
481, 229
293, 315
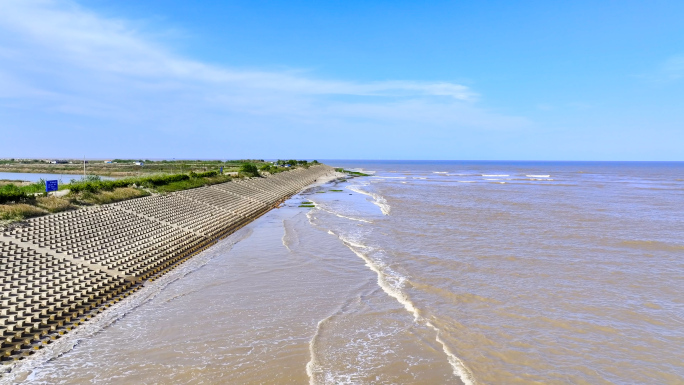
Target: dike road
60, 270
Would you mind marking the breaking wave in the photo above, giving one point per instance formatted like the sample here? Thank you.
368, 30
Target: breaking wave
377, 199
393, 283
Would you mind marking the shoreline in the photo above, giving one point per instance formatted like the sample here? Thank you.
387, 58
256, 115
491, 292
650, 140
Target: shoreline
19, 371
252, 206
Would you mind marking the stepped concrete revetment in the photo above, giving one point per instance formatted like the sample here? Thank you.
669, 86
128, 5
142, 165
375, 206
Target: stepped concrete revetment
59, 270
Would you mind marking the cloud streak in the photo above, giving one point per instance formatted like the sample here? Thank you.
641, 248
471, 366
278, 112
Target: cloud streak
62, 60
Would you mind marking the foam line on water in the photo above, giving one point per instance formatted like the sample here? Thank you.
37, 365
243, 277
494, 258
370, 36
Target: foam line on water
313, 366
325, 208
288, 235
16, 370
394, 291
377, 199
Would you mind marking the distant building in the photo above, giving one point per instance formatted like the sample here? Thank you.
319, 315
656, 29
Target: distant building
139, 163
108, 161
59, 162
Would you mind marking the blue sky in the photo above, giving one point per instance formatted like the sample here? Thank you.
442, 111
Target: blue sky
526, 80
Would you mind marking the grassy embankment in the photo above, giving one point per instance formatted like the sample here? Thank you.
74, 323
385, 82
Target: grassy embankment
122, 168
128, 167
19, 201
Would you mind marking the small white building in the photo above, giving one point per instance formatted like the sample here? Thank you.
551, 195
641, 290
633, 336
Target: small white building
139, 163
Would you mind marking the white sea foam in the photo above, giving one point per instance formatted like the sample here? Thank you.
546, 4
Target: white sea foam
377, 199
416, 177
327, 210
440, 172
313, 366
495, 175
392, 283
347, 217
389, 177
538, 176
287, 236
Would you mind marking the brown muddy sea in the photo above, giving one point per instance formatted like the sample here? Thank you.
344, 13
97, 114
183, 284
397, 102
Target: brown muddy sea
424, 273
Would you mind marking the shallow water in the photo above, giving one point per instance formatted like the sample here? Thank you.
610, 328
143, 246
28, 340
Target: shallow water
442, 272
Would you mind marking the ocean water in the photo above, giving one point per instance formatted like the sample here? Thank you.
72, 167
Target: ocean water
424, 273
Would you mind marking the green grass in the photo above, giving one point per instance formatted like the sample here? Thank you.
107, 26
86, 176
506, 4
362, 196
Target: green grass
54, 204
354, 173
18, 202
161, 183
192, 183
104, 197
336, 190
19, 211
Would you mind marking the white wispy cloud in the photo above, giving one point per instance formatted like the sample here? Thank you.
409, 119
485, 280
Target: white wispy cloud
60, 58
673, 68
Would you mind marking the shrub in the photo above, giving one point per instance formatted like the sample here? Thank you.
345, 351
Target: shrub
12, 193
249, 169
110, 185
207, 174
119, 194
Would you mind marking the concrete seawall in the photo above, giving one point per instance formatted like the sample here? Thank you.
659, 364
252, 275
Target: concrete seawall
59, 270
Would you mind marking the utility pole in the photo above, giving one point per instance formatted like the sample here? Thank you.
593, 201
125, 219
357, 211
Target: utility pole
84, 167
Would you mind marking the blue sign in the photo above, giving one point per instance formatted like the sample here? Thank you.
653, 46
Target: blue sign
51, 185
